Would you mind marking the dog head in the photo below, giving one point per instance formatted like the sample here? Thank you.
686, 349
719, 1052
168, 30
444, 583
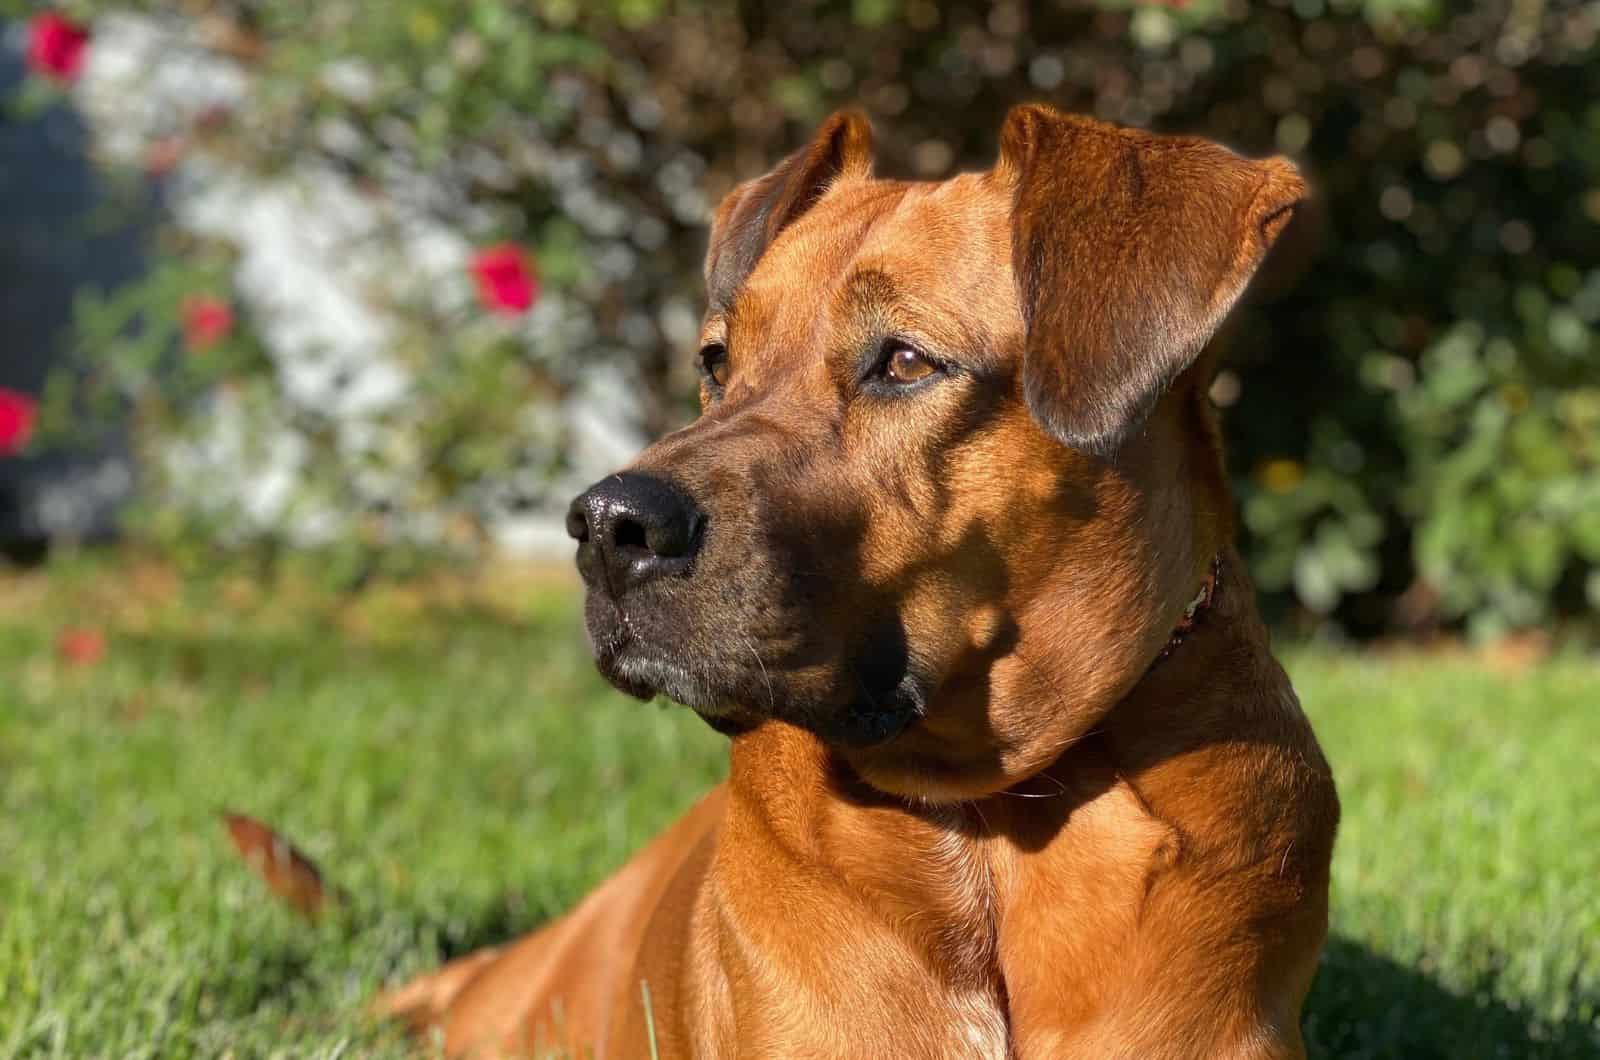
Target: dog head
955, 476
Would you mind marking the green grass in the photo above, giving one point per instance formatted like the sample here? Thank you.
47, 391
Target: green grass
462, 775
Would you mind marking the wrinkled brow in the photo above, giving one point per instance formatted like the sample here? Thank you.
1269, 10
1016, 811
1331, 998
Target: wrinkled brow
869, 296
866, 291
866, 294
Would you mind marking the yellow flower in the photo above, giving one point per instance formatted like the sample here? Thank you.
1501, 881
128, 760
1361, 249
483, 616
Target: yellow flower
1281, 476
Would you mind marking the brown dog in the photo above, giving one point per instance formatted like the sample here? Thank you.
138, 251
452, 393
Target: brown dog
1013, 773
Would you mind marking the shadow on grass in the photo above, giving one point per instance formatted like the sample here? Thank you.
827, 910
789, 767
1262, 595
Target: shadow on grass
1364, 1005
283, 969
503, 921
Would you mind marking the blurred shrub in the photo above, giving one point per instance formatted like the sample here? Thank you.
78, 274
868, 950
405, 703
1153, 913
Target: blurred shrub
1414, 427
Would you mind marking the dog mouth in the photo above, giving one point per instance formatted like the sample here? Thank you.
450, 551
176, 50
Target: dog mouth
862, 699
634, 664
646, 675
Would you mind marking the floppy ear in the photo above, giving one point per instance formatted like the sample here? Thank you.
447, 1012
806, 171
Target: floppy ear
755, 212
1129, 249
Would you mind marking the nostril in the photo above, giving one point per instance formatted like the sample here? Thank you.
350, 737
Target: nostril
577, 524
675, 537
630, 534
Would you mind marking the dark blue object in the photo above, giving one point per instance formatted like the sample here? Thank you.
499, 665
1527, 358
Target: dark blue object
52, 243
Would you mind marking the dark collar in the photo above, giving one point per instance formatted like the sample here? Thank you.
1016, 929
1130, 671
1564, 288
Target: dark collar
1197, 608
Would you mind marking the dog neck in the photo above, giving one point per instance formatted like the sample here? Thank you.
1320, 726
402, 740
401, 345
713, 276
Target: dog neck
1215, 687
792, 779
1116, 806
1218, 615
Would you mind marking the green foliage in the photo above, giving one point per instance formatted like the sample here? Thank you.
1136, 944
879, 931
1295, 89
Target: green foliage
1507, 501
464, 777
1412, 427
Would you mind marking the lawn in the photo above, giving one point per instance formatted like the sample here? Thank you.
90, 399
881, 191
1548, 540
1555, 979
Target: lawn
458, 771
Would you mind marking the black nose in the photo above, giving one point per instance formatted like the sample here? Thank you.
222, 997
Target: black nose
633, 528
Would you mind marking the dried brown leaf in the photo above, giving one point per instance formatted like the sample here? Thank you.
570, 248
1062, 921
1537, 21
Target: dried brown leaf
286, 871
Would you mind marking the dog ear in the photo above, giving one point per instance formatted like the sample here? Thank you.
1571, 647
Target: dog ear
1129, 249
752, 214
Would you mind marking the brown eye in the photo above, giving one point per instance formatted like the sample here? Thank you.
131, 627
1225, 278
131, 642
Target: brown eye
714, 363
906, 365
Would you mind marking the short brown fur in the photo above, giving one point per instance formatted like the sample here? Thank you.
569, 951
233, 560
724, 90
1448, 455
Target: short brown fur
971, 811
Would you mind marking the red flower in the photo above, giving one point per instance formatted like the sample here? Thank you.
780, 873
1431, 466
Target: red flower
17, 412
56, 45
506, 280
81, 646
207, 320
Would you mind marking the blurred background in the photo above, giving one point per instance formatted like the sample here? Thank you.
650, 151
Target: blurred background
314, 315
382, 285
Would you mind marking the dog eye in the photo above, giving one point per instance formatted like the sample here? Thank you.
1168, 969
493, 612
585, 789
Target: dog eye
714, 363
904, 364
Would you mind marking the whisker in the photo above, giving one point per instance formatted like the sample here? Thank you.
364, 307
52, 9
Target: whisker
772, 704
